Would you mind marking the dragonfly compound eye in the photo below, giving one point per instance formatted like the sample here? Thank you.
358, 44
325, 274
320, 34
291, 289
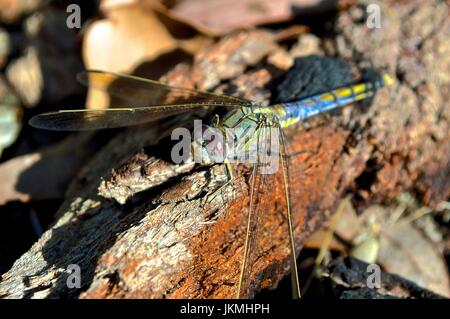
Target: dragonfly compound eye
213, 143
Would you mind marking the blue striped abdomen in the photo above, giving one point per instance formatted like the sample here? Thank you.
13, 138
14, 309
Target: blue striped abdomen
293, 112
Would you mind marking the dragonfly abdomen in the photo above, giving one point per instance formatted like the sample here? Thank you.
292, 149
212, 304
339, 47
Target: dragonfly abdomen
293, 112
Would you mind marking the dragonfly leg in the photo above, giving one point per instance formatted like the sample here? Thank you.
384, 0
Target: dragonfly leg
230, 171
252, 223
248, 234
295, 285
308, 150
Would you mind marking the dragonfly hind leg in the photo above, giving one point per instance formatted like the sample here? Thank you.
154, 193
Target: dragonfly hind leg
295, 285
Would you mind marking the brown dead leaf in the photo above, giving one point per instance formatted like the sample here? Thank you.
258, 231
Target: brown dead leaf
46, 70
401, 248
128, 36
315, 241
219, 17
11, 10
5, 47
291, 32
136, 35
348, 225
123, 32
44, 174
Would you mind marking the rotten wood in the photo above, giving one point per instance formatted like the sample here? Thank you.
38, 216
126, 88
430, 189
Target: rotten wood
181, 232
351, 276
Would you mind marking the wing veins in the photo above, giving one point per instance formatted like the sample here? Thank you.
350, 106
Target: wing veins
93, 119
253, 221
140, 92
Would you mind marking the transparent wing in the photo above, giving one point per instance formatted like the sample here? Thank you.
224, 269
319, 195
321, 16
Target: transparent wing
144, 100
271, 144
132, 91
251, 247
85, 119
295, 285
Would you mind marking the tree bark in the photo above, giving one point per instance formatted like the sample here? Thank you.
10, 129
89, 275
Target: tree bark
180, 233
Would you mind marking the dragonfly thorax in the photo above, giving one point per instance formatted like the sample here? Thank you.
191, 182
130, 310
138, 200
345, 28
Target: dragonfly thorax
240, 137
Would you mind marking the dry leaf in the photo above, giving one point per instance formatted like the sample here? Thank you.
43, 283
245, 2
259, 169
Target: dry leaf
219, 17
315, 241
132, 32
11, 10
348, 225
44, 174
10, 116
5, 47
405, 251
142, 43
47, 68
402, 249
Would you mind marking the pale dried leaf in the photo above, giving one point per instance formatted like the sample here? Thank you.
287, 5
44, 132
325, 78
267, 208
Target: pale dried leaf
405, 251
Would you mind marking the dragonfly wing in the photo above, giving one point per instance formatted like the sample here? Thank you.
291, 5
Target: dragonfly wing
91, 119
133, 91
251, 247
271, 146
143, 100
260, 182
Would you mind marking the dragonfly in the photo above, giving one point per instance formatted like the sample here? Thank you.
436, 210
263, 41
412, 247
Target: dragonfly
256, 128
